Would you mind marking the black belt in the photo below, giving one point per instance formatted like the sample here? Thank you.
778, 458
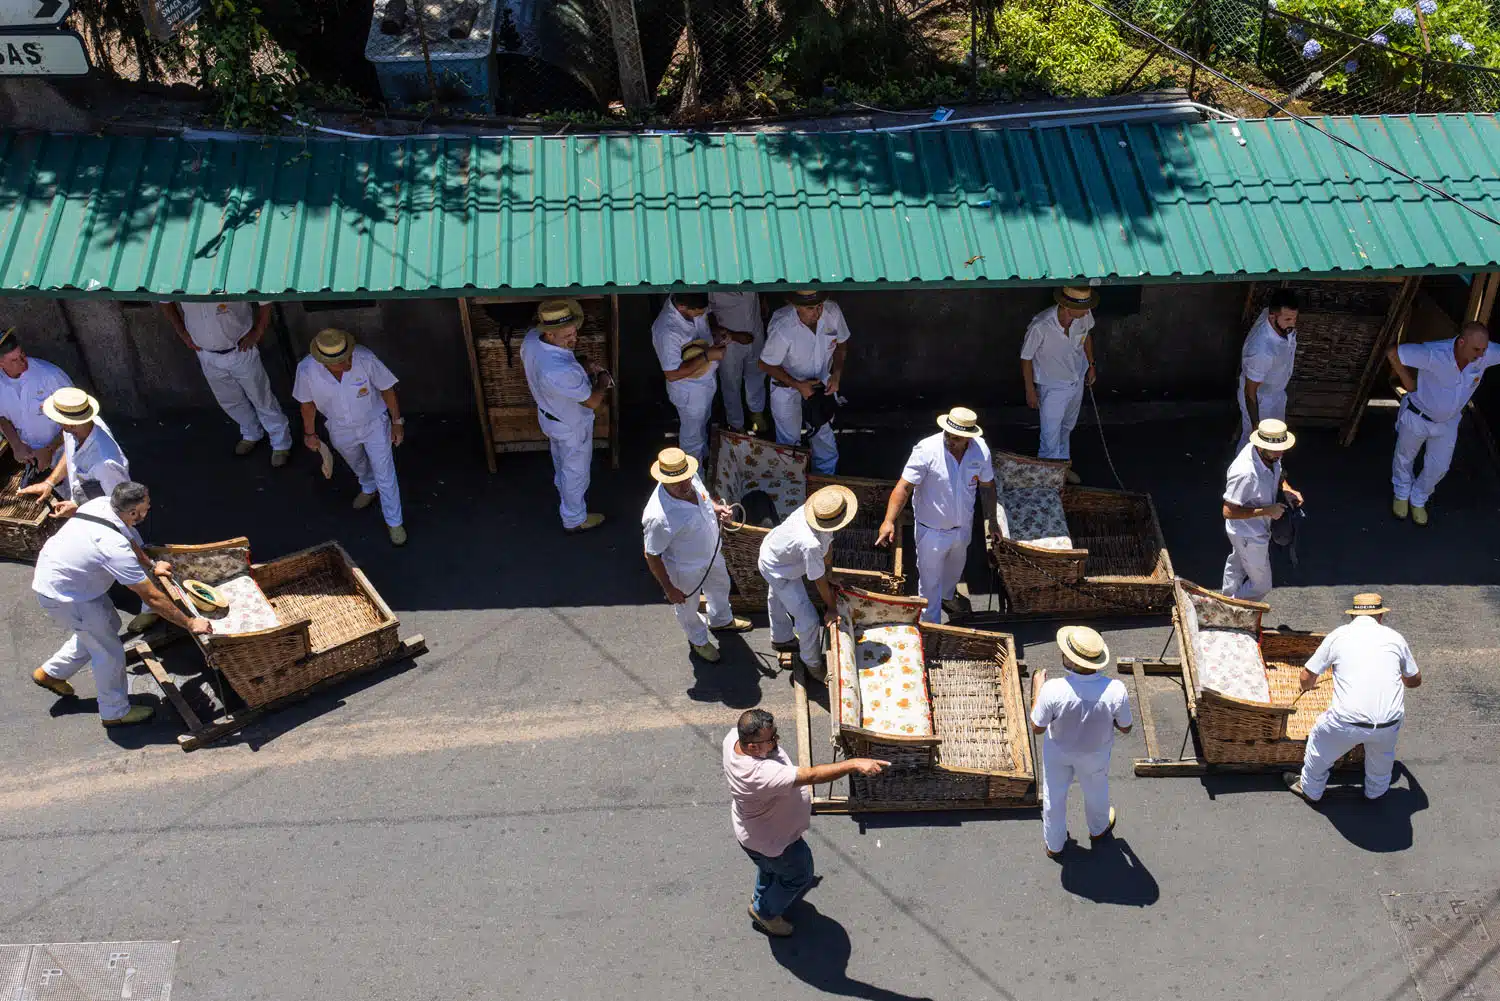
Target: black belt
1375, 726
1419, 413
931, 529
547, 415
225, 351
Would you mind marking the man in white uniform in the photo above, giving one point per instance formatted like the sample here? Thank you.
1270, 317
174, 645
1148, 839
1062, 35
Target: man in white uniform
1266, 363
1057, 361
806, 342
1250, 506
92, 463
681, 527
97, 547
1079, 712
226, 338
1372, 668
1440, 377
738, 314
689, 358
356, 394
25, 384
799, 550
941, 477
567, 391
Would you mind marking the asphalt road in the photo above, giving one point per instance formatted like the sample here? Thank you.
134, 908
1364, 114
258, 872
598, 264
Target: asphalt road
535, 809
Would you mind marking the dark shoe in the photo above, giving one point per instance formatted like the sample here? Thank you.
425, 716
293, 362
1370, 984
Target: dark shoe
1293, 781
958, 605
777, 926
785, 646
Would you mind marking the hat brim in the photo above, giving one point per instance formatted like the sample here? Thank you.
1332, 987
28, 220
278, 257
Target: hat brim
1062, 300
337, 359
1366, 611
212, 602
975, 432
815, 299
661, 477
1272, 446
851, 510
573, 319
1076, 659
57, 417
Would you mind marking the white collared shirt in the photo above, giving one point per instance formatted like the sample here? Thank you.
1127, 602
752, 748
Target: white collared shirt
98, 460
1251, 483
350, 403
1056, 355
218, 326
685, 534
21, 401
1081, 711
1267, 356
737, 311
1442, 390
558, 382
803, 353
944, 494
794, 549
1369, 659
83, 559
671, 332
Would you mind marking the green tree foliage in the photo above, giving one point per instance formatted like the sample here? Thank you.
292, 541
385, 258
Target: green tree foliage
1065, 47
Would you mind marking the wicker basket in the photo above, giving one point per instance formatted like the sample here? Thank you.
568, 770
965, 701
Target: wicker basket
25, 522
333, 620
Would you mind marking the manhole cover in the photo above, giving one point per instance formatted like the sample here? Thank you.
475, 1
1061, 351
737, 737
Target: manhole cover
87, 971
1450, 944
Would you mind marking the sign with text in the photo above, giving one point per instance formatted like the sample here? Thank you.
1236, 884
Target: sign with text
165, 18
43, 53
33, 13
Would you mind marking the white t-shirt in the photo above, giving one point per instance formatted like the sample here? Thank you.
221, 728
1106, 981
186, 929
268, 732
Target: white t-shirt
558, 383
1369, 659
803, 353
670, 333
83, 559
768, 809
1442, 390
98, 460
1251, 483
218, 326
1080, 711
794, 549
944, 495
1267, 356
685, 534
737, 311
350, 403
21, 401
1056, 355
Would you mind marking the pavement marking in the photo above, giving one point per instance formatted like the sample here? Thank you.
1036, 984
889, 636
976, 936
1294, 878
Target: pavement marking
388, 736
1449, 942
88, 971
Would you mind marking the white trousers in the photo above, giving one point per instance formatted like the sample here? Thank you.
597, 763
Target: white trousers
793, 615
95, 641
694, 401
1412, 433
572, 462
1269, 405
786, 411
240, 385
1331, 739
1059, 414
941, 554
1247, 572
1059, 769
714, 587
738, 368
368, 451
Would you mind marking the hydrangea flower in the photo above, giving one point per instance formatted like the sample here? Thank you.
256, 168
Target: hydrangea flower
1296, 34
1351, 66
1427, 6
1468, 48
1311, 49
1379, 39
1404, 16
1456, 40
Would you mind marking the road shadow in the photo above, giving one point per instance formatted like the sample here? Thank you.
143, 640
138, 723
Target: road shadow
1380, 825
735, 680
1108, 872
942, 818
818, 952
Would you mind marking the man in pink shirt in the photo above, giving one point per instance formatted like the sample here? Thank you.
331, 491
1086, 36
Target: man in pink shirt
772, 809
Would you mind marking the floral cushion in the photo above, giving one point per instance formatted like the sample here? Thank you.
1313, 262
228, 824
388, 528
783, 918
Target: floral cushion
747, 463
1035, 515
1229, 662
892, 681
1018, 472
1211, 613
248, 610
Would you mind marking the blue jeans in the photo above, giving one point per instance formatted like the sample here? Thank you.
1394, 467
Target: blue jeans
781, 881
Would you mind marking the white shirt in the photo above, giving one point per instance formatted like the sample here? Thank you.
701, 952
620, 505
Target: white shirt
1267, 357
83, 559
1369, 659
350, 403
803, 353
737, 311
557, 381
98, 460
21, 401
1442, 390
218, 326
794, 549
944, 495
685, 534
670, 333
1080, 711
1056, 355
1251, 483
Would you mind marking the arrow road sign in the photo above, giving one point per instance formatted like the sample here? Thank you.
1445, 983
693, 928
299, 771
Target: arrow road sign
33, 13
44, 53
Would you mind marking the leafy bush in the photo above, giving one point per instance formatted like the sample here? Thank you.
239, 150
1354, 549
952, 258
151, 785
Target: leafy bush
1065, 47
859, 41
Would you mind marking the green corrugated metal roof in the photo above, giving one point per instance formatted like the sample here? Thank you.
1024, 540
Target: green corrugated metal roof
1120, 202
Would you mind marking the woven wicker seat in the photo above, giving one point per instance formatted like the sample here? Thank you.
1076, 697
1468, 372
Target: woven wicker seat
1106, 557
25, 522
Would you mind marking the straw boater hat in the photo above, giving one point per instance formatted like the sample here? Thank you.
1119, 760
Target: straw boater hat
831, 508
332, 346
1272, 436
204, 597
71, 406
961, 421
694, 349
673, 465
1076, 297
1368, 603
807, 297
554, 313
1083, 648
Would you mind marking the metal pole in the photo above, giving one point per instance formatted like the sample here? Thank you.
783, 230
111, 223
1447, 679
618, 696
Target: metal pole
974, 47
1260, 44
416, 7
